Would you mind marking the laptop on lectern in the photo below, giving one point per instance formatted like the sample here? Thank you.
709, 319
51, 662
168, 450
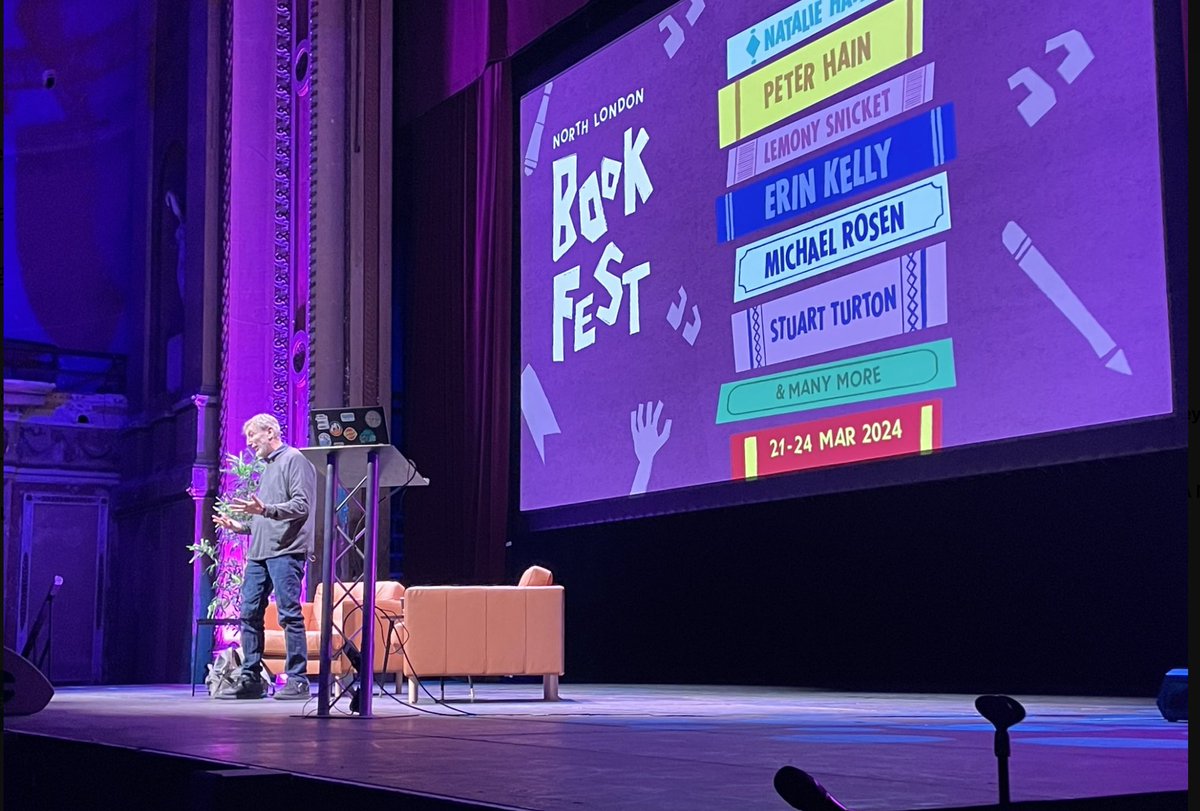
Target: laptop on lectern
365, 425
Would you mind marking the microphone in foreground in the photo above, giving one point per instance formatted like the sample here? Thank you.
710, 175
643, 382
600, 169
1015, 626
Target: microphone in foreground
1002, 712
801, 790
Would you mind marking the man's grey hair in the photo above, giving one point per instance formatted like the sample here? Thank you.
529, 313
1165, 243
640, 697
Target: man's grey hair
266, 422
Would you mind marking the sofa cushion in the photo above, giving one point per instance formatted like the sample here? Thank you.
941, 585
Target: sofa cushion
275, 646
536, 576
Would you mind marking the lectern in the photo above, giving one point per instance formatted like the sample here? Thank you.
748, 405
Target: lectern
358, 468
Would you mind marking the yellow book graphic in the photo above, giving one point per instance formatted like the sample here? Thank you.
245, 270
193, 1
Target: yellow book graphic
841, 59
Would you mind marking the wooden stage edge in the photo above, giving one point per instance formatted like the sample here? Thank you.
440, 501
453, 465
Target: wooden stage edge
612, 747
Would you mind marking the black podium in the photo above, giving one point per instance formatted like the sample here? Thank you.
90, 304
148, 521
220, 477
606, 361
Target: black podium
359, 469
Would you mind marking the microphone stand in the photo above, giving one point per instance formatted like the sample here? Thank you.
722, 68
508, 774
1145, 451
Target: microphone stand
45, 615
1003, 712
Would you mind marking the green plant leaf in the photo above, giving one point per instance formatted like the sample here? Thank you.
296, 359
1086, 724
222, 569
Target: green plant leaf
227, 552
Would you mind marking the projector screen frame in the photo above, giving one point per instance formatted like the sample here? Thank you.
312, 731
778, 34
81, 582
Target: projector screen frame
598, 25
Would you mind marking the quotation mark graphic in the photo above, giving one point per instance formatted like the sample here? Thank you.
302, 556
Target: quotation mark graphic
535, 408
675, 35
1078, 57
675, 318
1041, 95
535, 138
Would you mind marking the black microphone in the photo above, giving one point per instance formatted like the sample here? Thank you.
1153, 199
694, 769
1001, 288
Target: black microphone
1003, 712
801, 790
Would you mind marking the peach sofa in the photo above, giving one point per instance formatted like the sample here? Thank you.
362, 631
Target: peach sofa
466, 631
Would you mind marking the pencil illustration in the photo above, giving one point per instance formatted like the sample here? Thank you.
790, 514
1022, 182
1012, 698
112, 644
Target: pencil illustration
1030, 259
535, 138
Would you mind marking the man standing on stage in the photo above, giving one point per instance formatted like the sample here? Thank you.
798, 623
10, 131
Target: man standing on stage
281, 529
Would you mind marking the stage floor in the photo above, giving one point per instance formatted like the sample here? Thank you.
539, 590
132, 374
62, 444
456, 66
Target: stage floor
618, 747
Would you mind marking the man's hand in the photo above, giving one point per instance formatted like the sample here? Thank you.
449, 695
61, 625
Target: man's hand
225, 522
249, 506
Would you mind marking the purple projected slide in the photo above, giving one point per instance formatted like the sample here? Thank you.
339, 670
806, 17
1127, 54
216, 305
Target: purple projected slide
760, 238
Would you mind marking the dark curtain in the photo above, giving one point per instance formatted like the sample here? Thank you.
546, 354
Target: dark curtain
454, 215
444, 46
454, 172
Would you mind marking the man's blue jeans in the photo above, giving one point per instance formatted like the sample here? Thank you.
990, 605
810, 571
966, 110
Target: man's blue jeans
282, 574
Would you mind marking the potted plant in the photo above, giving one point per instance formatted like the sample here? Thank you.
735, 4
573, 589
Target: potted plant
225, 556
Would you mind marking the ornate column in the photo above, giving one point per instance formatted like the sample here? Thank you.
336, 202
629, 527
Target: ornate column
254, 369
328, 280
265, 364
201, 489
351, 328
265, 218
350, 333
299, 82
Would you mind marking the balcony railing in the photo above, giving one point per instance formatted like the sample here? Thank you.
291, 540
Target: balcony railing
69, 370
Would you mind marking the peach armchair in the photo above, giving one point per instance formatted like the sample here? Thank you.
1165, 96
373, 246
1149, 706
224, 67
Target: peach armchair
387, 592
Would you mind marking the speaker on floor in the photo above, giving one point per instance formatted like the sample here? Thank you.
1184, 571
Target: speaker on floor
26, 689
1172, 696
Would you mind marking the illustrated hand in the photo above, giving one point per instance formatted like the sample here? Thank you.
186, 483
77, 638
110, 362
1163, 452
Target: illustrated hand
225, 522
643, 424
249, 506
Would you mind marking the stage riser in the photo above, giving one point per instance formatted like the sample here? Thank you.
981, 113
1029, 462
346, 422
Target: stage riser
44, 772
1158, 801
